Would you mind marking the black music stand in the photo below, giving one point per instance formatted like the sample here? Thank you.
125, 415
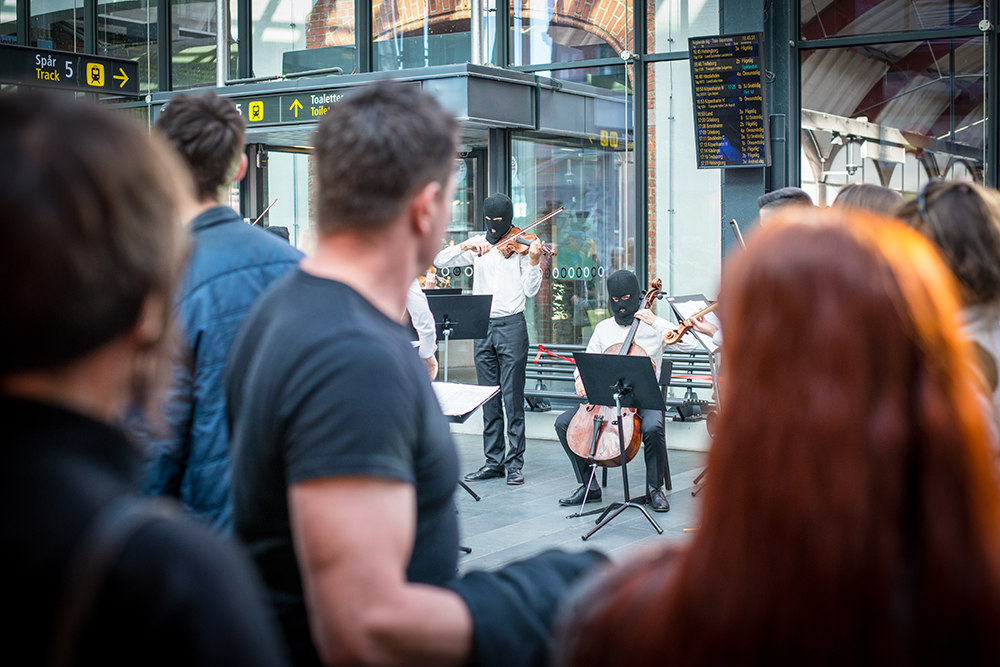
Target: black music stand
623, 382
460, 317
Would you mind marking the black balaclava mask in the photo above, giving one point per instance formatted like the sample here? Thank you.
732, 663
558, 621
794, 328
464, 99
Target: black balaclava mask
621, 283
498, 206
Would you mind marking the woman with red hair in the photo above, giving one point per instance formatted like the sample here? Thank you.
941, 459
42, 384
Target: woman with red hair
853, 513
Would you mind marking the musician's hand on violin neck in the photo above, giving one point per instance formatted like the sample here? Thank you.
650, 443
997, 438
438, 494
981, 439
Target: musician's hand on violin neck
535, 252
646, 315
479, 246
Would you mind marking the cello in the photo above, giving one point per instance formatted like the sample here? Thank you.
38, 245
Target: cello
593, 431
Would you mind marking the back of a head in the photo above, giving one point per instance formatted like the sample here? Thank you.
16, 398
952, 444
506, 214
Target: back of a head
869, 197
376, 148
89, 208
963, 219
784, 197
207, 131
850, 469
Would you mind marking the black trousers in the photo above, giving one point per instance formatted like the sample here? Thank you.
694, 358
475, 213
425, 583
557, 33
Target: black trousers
501, 358
654, 447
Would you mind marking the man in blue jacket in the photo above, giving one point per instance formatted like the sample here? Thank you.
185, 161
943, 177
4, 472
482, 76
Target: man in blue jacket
231, 264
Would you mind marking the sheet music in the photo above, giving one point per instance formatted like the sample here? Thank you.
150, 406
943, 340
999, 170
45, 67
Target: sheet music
686, 309
457, 400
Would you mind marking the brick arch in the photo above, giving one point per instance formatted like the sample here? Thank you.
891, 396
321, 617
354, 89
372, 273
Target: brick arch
331, 22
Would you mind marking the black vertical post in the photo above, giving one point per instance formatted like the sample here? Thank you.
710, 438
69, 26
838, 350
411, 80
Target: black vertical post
498, 170
740, 187
639, 135
164, 45
993, 89
792, 74
23, 17
363, 36
502, 51
244, 40
90, 27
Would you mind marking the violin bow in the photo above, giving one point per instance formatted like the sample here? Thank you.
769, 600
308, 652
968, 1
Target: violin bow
736, 231
264, 213
532, 225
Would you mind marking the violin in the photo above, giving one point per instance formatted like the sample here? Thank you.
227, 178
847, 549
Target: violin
674, 336
516, 240
593, 431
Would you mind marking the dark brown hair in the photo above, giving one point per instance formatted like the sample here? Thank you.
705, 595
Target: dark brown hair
375, 149
869, 197
89, 209
963, 219
852, 514
207, 131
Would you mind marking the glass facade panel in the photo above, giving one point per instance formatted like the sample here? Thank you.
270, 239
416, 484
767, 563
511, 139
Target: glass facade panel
193, 35
683, 202
593, 177
288, 182
463, 221
566, 30
671, 22
865, 108
8, 22
128, 30
56, 24
420, 34
302, 35
821, 19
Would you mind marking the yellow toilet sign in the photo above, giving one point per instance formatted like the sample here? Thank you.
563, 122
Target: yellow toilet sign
95, 75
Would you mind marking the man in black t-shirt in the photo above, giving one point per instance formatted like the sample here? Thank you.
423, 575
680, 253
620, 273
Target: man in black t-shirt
344, 469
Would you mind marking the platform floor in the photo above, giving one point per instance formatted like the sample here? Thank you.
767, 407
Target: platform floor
514, 522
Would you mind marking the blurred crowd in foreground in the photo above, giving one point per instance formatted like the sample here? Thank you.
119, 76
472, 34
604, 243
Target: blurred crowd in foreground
154, 340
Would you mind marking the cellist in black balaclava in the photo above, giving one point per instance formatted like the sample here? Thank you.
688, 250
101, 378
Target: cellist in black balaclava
622, 283
499, 211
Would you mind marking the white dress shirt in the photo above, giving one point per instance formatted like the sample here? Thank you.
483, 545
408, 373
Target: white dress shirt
422, 319
650, 338
510, 280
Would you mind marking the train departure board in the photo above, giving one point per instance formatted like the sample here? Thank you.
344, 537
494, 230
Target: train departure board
730, 103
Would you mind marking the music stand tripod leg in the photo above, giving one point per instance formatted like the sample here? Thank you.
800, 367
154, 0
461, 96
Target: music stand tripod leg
471, 492
607, 518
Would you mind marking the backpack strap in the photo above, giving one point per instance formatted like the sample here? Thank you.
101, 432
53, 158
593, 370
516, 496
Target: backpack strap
93, 557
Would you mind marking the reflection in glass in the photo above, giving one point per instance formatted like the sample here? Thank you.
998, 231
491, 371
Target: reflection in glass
564, 30
420, 34
56, 24
302, 35
674, 21
128, 30
821, 19
288, 182
684, 203
463, 223
193, 48
8, 22
909, 99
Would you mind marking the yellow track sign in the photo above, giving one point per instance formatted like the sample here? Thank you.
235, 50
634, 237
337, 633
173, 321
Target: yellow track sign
73, 71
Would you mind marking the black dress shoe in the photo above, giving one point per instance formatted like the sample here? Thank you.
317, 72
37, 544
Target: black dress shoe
577, 498
514, 477
485, 472
658, 500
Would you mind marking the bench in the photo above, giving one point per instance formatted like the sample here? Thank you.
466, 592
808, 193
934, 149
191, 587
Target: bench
548, 377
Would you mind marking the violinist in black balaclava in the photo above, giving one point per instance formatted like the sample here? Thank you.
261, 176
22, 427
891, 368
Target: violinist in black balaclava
501, 357
623, 303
